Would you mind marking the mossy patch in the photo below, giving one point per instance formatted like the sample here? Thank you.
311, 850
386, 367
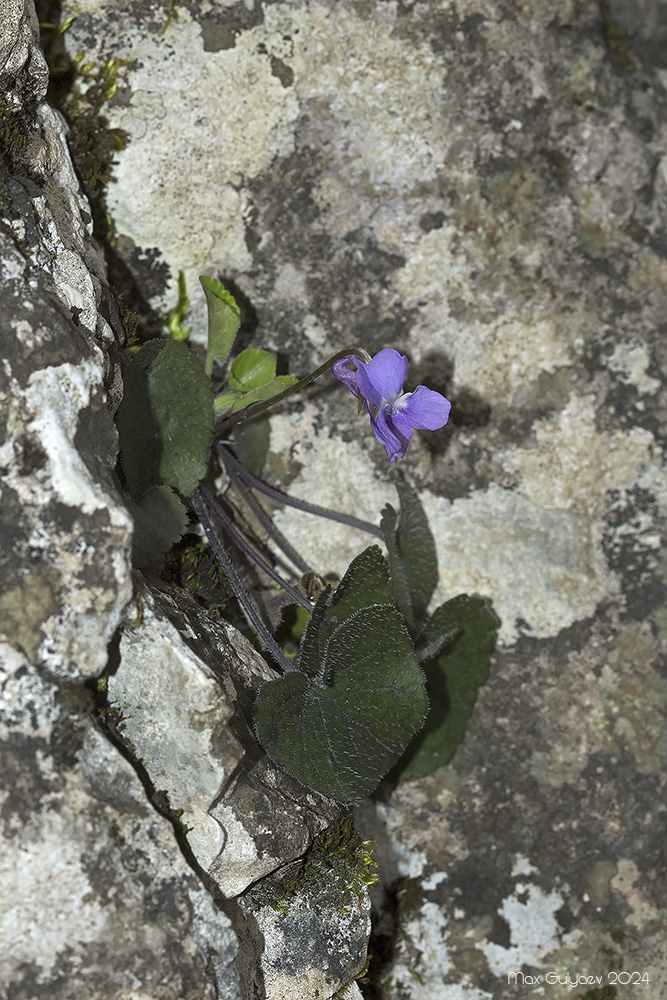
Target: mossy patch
338, 859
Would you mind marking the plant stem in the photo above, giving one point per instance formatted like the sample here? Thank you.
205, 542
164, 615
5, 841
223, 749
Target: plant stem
308, 508
246, 547
259, 512
247, 604
263, 404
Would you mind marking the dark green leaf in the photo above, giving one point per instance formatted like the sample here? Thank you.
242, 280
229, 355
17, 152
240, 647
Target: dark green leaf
342, 736
365, 583
160, 518
223, 321
252, 369
412, 559
251, 441
165, 421
313, 644
466, 626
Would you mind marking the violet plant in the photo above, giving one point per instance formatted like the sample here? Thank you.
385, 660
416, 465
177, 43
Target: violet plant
353, 704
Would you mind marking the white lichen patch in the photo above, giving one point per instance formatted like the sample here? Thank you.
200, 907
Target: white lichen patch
54, 401
428, 934
630, 360
49, 903
495, 358
335, 474
531, 915
199, 123
572, 465
385, 95
624, 883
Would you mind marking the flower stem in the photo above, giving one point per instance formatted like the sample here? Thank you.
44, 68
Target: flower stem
284, 498
246, 547
274, 534
263, 404
246, 603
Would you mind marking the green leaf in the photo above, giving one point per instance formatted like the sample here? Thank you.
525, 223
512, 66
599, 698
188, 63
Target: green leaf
160, 518
224, 319
412, 558
465, 630
165, 421
365, 583
340, 732
236, 400
252, 369
251, 443
313, 644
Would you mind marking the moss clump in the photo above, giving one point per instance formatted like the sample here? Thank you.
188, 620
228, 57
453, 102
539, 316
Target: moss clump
192, 566
337, 855
600, 993
616, 40
93, 143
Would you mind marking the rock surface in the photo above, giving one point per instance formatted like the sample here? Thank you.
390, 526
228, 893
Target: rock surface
183, 719
482, 187
100, 897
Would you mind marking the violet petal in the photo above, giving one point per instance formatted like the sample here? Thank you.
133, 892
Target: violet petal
425, 409
393, 432
382, 378
345, 375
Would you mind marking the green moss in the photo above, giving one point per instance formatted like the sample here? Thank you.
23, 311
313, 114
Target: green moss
602, 993
337, 855
191, 566
93, 143
617, 41
560, 166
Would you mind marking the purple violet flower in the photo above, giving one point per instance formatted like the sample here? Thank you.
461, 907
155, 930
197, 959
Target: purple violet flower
393, 413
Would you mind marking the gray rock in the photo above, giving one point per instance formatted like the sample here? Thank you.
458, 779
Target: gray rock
484, 189
303, 932
183, 695
98, 900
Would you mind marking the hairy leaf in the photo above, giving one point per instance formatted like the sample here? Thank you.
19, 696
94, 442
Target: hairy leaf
465, 630
223, 321
165, 421
341, 731
160, 518
365, 583
412, 559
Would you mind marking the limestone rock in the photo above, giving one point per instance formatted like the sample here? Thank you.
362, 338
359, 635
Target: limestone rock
303, 931
97, 898
482, 187
183, 694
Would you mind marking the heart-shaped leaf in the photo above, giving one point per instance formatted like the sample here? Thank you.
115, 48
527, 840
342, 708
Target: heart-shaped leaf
165, 421
340, 731
412, 558
464, 631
